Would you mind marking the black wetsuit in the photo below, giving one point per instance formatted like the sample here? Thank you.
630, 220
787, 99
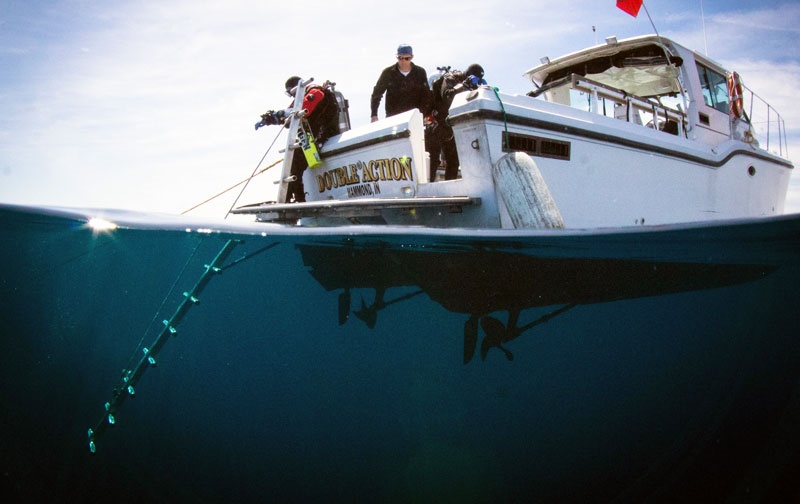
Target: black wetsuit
444, 133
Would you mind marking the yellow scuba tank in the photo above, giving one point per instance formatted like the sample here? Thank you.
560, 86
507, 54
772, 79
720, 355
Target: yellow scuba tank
309, 146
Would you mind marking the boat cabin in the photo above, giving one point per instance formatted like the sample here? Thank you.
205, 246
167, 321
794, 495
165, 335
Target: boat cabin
657, 83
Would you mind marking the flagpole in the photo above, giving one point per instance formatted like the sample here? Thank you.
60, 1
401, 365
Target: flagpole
651, 20
666, 53
632, 7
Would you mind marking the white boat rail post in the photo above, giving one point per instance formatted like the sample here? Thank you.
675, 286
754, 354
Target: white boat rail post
768, 117
782, 137
628, 108
291, 139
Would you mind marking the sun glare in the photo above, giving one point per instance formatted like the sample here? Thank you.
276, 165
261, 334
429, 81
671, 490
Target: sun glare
101, 225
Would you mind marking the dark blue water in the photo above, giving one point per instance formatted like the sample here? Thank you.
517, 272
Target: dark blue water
660, 365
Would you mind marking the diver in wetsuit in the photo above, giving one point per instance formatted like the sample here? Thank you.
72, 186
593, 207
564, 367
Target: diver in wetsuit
322, 114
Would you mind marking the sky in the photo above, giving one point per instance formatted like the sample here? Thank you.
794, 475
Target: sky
149, 105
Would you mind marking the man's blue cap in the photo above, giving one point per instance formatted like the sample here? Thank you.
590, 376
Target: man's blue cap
405, 49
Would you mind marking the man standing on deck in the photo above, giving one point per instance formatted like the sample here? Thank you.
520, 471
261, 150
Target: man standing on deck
405, 85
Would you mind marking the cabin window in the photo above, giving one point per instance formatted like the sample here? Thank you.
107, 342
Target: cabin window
715, 88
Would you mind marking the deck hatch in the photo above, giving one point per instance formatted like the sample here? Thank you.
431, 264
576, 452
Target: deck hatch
537, 146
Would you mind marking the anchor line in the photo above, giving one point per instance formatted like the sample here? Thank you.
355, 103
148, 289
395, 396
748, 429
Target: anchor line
246, 257
164, 301
247, 180
254, 172
130, 377
546, 317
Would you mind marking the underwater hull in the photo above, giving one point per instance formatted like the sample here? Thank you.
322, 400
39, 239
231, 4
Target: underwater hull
389, 365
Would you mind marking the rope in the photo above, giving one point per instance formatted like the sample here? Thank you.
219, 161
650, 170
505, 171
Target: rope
232, 187
137, 351
245, 181
505, 119
246, 257
254, 173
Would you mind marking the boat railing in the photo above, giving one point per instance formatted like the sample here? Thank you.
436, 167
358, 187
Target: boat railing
636, 109
766, 124
760, 124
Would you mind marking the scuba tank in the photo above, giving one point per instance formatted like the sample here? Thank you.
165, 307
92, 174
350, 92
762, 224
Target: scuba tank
307, 143
342, 104
344, 113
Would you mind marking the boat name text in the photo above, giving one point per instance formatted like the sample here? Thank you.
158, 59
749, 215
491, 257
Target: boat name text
361, 179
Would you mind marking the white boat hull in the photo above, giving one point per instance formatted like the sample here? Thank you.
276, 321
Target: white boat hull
620, 174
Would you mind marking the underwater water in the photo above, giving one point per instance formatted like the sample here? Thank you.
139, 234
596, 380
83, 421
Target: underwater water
658, 365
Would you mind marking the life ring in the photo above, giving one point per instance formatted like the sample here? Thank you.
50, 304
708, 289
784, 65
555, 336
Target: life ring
736, 95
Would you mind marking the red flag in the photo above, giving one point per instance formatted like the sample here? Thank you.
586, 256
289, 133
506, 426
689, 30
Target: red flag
630, 6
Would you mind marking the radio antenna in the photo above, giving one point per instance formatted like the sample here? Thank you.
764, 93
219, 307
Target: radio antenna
703, 17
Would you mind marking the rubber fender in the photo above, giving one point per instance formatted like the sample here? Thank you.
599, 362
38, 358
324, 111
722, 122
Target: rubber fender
524, 192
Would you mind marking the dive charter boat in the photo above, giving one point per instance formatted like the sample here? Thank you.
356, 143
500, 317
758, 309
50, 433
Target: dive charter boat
633, 132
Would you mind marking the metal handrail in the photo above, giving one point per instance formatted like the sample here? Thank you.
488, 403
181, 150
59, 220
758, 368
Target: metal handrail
770, 135
599, 90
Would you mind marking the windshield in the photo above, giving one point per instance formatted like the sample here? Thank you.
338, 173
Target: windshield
646, 71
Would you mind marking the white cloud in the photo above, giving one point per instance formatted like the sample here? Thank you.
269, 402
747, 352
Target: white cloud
769, 17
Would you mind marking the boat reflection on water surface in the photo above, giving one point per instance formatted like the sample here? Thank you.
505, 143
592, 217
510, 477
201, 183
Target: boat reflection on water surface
480, 282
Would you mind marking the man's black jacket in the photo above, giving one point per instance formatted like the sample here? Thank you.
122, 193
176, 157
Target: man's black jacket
403, 92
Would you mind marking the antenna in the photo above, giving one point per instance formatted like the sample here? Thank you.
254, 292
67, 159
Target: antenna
703, 17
